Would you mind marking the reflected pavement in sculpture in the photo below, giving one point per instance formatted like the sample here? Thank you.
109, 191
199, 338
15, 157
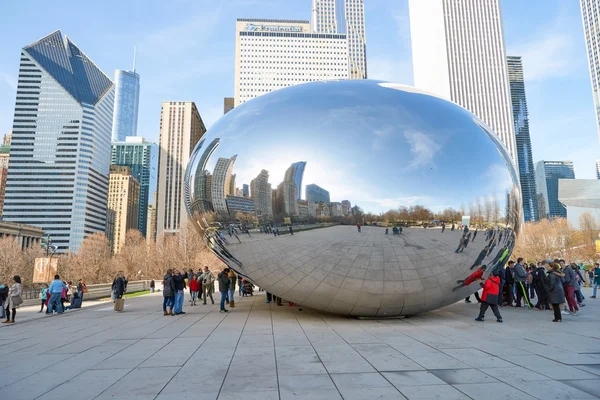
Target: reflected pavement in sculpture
315, 158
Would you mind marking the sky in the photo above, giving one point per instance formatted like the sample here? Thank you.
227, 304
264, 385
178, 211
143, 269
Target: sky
185, 51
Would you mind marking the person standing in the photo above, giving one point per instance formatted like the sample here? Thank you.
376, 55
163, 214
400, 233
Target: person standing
168, 293
443, 228
521, 282
232, 282
489, 297
152, 285
207, 285
119, 285
538, 283
180, 286
555, 290
240, 285
44, 296
570, 281
194, 288
55, 289
3, 295
510, 283
223, 279
596, 279
82, 289
13, 300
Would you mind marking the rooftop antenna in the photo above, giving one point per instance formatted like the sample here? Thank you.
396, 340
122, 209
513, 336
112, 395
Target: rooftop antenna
134, 51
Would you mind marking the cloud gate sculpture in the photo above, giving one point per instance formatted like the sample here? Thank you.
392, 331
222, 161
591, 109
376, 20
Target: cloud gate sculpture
329, 159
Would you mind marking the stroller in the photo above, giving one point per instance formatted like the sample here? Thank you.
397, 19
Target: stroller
247, 288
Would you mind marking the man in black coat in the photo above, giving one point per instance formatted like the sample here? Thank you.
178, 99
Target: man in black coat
223, 279
538, 281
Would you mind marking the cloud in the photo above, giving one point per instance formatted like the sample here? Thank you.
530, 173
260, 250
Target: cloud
551, 51
9, 79
423, 148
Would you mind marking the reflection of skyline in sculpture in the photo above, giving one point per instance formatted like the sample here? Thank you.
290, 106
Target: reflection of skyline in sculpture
401, 147
295, 173
221, 183
317, 194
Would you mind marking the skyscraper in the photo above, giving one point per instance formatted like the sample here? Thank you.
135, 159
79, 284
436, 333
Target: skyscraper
181, 128
221, 184
317, 194
458, 54
547, 174
124, 200
590, 13
287, 198
345, 17
273, 54
60, 151
597, 169
141, 156
261, 193
523, 140
228, 104
4, 156
295, 173
127, 98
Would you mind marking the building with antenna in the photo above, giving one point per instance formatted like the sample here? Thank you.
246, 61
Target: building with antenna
127, 98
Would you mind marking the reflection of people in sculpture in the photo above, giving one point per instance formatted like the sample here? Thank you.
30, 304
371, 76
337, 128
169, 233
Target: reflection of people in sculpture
462, 244
489, 297
474, 235
480, 257
466, 230
387, 231
477, 275
452, 228
443, 227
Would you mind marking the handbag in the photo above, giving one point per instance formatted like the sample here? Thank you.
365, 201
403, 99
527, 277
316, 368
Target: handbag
17, 300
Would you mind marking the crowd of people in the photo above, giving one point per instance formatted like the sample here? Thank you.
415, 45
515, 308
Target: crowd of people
554, 284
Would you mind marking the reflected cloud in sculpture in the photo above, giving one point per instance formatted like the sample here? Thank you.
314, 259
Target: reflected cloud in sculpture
369, 144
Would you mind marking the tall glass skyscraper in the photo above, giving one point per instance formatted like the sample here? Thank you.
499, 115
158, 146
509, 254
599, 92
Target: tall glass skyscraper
344, 17
523, 140
590, 14
317, 194
547, 174
127, 98
60, 151
141, 156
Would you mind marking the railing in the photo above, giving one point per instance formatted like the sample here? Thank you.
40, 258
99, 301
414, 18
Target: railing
94, 291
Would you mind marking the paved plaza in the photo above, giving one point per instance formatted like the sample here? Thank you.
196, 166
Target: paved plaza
262, 351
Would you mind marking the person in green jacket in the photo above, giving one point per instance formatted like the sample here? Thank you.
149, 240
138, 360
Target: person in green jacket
596, 279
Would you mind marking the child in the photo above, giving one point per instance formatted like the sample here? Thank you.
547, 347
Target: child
478, 274
489, 297
44, 297
194, 288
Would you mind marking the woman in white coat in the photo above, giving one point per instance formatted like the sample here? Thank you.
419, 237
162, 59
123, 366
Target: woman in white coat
13, 300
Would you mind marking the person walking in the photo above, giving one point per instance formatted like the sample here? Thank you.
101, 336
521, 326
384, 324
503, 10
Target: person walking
55, 289
168, 293
152, 286
489, 297
596, 279
223, 279
232, 282
119, 285
194, 288
555, 290
13, 300
180, 286
207, 285
570, 282
44, 297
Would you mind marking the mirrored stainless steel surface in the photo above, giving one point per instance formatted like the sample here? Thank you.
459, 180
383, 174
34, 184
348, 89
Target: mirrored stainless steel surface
321, 156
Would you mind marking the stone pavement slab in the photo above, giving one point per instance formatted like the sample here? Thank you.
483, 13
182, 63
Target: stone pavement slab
262, 351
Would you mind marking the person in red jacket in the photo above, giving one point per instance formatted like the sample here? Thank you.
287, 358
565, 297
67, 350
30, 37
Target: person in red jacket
194, 288
489, 297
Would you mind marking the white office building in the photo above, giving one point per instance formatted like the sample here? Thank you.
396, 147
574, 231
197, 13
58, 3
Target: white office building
273, 54
181, 128
590, 13
458, 54
348, 17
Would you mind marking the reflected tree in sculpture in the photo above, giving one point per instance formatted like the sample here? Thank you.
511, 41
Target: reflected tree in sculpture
364, 145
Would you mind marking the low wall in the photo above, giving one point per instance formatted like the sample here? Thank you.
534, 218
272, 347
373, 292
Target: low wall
33, 296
